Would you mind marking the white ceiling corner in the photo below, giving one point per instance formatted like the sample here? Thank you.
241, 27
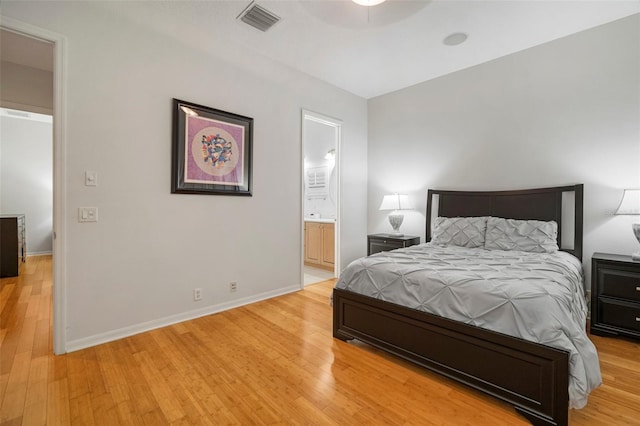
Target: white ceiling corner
377, 50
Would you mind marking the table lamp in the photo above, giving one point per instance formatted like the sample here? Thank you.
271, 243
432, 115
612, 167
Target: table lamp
630, 205
397, 203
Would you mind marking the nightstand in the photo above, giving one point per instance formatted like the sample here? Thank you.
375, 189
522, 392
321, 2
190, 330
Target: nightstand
386, 242
615, 295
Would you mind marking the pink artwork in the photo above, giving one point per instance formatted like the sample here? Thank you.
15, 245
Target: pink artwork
211, 151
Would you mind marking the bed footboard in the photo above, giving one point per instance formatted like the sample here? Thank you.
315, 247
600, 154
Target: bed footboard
533, 378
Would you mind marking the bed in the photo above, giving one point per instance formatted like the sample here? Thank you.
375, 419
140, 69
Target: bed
533, 377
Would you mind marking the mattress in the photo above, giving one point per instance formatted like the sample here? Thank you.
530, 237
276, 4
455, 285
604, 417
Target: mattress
538, 297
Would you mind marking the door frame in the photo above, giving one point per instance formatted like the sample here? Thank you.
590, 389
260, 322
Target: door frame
337, 125
59, 297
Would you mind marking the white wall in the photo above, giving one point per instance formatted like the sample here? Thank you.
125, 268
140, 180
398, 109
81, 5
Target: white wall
137, 266
26, 176
561, 113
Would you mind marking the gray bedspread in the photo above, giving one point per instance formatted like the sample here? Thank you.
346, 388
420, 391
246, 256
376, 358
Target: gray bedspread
535, 296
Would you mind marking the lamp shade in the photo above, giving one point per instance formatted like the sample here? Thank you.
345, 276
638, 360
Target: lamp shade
630, 203
395, 202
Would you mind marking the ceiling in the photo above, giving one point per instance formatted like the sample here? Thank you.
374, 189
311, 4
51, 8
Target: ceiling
376, 50
27, 51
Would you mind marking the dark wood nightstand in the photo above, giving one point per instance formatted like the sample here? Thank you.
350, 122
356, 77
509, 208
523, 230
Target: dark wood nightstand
615, 295
386, 242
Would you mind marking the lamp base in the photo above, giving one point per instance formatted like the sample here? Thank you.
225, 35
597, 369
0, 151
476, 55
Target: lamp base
636, 231
396, 220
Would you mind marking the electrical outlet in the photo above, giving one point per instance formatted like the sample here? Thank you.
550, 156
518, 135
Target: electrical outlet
197, 294
233, 286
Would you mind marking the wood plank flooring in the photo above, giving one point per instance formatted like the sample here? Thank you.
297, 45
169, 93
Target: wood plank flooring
272, 362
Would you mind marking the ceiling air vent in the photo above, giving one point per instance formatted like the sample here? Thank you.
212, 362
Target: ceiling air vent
258, 17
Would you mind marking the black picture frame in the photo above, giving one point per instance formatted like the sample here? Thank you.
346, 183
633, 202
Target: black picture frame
212, 151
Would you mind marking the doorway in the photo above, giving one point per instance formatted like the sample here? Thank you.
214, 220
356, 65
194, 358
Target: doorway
34, 55
321, 137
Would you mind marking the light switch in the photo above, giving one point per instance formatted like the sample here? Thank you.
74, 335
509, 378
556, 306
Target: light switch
87, 214
90, 178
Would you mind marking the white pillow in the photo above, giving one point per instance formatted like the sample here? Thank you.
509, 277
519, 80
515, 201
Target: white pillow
525, 235
459, 231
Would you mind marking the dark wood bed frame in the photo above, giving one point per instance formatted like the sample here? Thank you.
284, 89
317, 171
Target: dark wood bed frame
534, 378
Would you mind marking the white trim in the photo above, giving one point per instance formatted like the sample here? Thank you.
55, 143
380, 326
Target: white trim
38, 253
337, 125
23, 107
59, 173
110, 336
26, 115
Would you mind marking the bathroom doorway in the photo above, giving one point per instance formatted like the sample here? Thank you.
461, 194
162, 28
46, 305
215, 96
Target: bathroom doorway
320, 197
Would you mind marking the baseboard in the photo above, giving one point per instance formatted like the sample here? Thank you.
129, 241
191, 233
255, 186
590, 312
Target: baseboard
39, 253
110, 336
319, 266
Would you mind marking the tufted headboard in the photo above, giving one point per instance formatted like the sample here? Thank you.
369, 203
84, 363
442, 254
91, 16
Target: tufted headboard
562, 204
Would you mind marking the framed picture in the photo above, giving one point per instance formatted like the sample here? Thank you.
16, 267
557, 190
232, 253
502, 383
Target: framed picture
212, 151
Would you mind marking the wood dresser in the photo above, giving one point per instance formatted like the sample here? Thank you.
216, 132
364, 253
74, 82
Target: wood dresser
13, 244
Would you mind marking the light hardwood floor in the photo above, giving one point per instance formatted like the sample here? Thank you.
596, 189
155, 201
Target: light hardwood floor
272, 362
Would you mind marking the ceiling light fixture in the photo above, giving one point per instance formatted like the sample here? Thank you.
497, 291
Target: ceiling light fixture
368, 2
330, 155
455, 39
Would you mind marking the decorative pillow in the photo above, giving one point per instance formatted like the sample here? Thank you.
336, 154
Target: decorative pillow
525, 235
460, 231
